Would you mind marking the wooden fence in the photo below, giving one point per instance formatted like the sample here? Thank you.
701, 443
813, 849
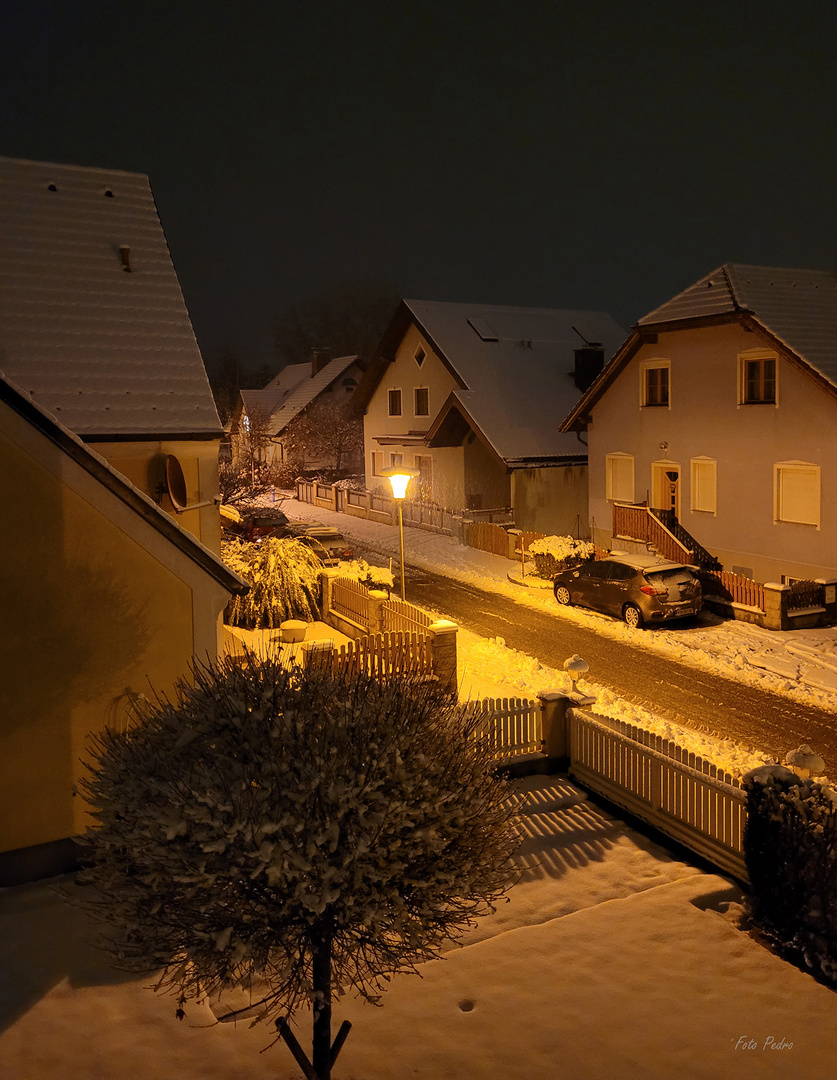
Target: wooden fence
508, 727
385, 654
350, 598
397, 614
806, 594
732, 588
486, 536
679, 793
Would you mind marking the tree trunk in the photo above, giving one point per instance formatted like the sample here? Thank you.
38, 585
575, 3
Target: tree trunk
321, 975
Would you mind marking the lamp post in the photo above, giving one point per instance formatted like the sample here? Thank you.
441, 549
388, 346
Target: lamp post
399, 479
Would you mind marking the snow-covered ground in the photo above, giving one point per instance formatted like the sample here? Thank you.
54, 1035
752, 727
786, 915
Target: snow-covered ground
612, 959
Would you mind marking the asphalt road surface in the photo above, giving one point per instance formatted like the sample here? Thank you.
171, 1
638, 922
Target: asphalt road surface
686, 695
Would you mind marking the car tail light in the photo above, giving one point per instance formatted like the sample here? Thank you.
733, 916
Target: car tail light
652, 590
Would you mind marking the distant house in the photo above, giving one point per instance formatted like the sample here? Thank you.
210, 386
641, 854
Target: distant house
720, 412
472, 395
105, 599
259, 426
93, 326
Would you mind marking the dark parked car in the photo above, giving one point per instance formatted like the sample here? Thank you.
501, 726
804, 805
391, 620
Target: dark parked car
637, 588
266, 522
327, 542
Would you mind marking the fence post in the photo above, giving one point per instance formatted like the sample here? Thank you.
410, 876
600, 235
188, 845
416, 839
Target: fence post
377, 599
515, 537
829, 598
442, 634
553, 706
328, 576
776, 606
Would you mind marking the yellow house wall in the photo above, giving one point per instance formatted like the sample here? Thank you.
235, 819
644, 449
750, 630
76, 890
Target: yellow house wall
404, 373
705, 419
143, 463
98, 606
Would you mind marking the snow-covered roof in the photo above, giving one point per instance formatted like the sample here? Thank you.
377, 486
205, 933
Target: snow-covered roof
291, 391
798, 307
92, 320
515, 366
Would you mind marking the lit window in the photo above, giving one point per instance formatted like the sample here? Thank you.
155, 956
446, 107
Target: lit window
422, 401
797, 486
704, 485
655, 383
419, 356
619, 477
395, 403
759, 381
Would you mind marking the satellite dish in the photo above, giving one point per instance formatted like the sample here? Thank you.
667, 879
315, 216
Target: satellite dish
176, 482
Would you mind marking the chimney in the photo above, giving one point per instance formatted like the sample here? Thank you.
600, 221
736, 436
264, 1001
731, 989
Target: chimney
319, 358
589, 362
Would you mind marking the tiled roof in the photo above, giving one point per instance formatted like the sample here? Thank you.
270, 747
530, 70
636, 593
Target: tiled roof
799, 307
109, 352
517, 368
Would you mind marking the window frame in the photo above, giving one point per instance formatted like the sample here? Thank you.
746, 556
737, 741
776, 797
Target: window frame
757, 356
780, 496
391, 392
656, 363
420, 355
396, 461
695, 465
627, 459
377, 462
421, 390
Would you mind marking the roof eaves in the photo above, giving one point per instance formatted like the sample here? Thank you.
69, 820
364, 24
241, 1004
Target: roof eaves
110, 478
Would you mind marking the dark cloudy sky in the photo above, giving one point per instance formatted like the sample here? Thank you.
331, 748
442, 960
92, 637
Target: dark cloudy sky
603, 153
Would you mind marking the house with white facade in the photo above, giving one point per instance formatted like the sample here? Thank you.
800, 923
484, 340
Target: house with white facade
472, 395
719, 414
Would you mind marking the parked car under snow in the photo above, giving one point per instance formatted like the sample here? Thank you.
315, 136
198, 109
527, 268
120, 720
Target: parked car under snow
640, 589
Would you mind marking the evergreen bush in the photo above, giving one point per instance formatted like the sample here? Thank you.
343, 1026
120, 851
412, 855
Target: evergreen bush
555, 553
790, 845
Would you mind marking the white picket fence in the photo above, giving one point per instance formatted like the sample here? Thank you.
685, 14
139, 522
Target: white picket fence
508, 727
678, 792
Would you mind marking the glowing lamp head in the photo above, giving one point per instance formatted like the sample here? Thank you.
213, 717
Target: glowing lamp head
399, 479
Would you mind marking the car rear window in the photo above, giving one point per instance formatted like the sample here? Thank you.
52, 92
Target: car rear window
675, 575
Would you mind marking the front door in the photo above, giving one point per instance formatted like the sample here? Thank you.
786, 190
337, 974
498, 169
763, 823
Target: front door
665, 484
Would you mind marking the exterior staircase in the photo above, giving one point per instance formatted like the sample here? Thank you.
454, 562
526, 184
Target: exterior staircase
662, 533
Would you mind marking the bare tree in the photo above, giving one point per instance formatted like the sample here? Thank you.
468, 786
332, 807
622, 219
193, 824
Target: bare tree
300, 833
326, 431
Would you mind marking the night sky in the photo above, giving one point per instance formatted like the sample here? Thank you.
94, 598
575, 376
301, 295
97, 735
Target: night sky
558, 154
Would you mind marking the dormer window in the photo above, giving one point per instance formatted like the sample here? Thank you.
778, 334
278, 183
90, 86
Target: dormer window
757, 376
419, 355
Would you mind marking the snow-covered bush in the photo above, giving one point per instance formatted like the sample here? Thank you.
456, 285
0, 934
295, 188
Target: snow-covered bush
284, 580
374, 577
790, 844
295, 834
555, 553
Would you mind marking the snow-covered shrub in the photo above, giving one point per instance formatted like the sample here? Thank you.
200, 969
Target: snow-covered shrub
292, 833
284, 580
555, 553
374, 577
790, 844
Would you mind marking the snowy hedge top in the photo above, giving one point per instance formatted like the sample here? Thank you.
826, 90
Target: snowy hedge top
562, 547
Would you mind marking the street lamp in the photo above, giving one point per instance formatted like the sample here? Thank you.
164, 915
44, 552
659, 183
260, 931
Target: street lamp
399, 478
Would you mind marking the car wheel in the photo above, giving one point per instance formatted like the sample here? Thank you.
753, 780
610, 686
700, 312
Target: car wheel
562, 595
632, 616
